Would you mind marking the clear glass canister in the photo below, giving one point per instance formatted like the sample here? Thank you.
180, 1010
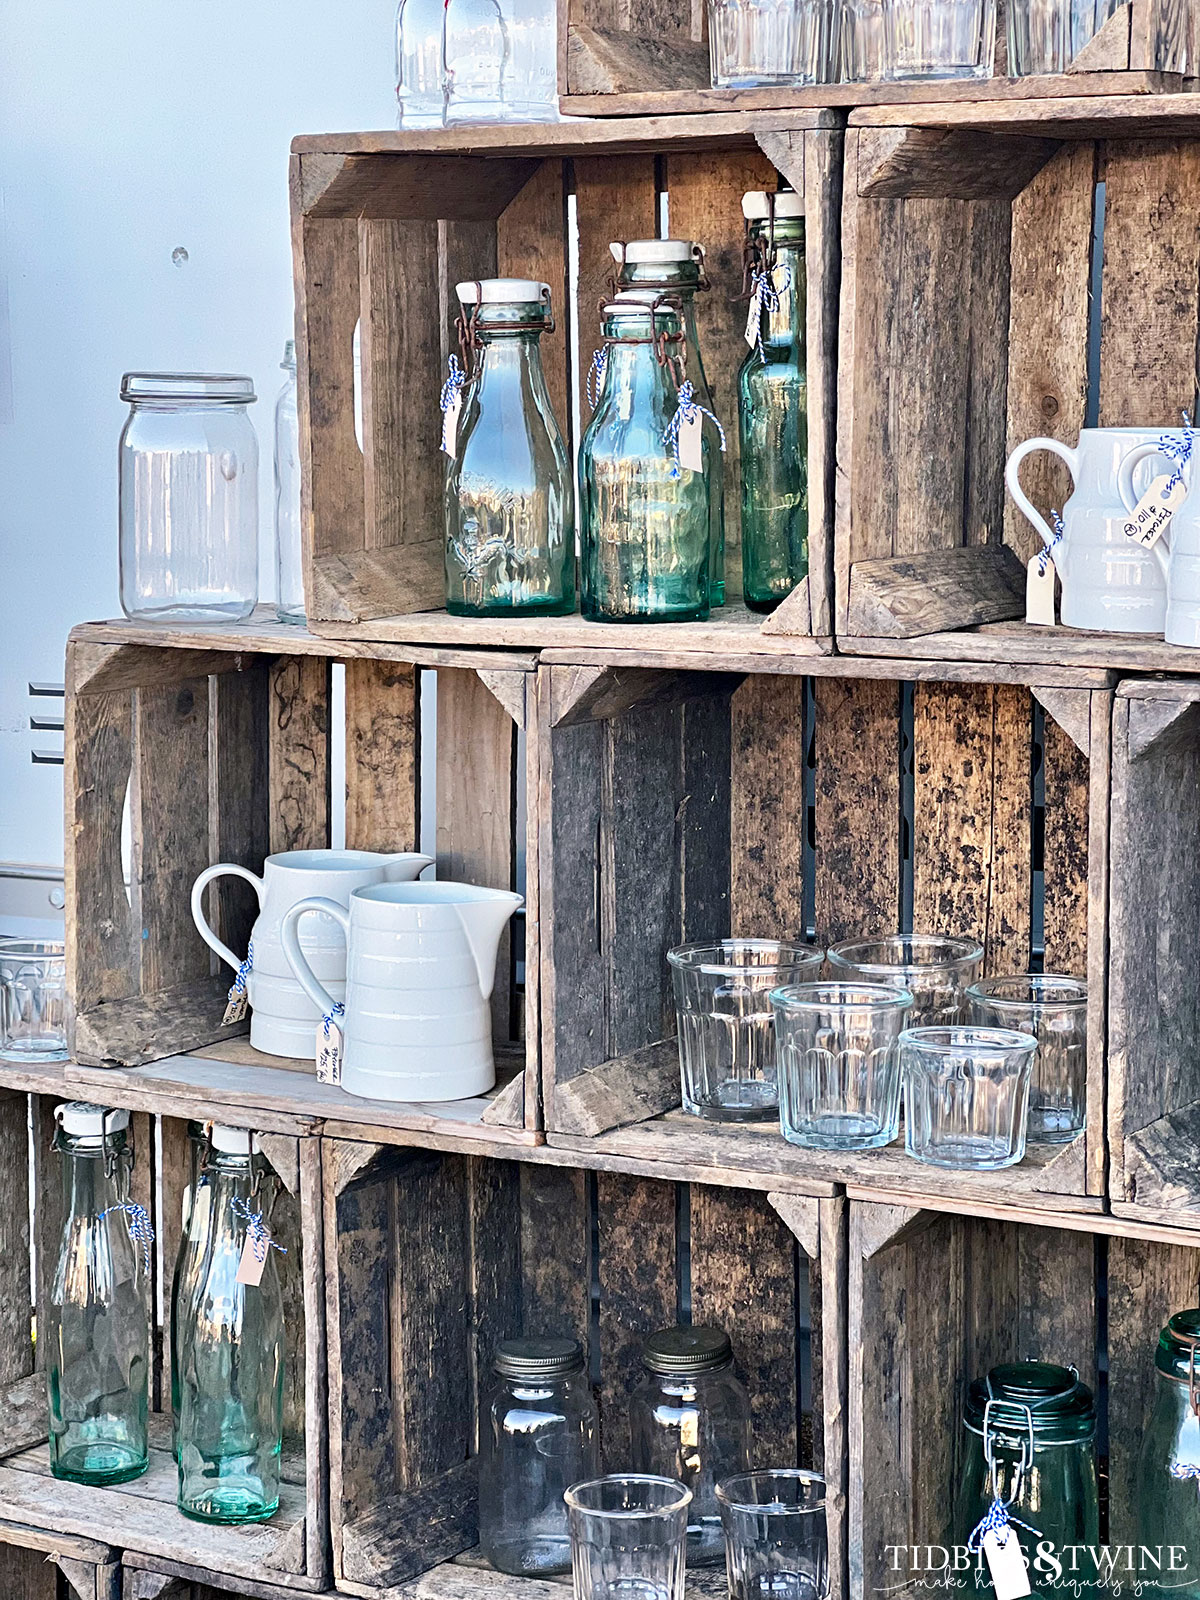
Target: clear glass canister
674, 268
1030, 1444
644, 518
289, 554
538, 1435
188, 468
1168, 1473
689, 1418
98, 1332
773, 403
231, 1348
510, 513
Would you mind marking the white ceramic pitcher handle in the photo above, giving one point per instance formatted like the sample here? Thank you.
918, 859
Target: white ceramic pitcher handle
224, 869
290, 937
1023, 502
1129, 465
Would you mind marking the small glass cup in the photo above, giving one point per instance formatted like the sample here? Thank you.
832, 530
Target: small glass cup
756, 43
938, 39
837, 1047
933, 968
726, 1035
776, 1538
33, 995
861, 41
966, 1095
1053, 1008
628, 1537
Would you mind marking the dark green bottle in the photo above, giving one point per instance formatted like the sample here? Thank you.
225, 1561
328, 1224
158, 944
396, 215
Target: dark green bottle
1168, 1476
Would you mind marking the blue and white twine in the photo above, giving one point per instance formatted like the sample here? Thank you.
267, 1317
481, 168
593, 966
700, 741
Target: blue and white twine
689, 407
996, 1520
764, 296
327, 1021
257, 1230
595, 377
141, 1229
1046, 553
237, 989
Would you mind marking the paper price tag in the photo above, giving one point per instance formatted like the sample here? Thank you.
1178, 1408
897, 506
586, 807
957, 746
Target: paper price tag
450, 425
1039, 593
236, 1009
753, 322
329, 1053
691, 443
1148, 521
250, 1268
1006, 1563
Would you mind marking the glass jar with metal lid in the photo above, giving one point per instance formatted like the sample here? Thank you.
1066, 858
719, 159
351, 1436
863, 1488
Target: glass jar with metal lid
689, 1418
1168, 1474
1030, 1447
538, 1435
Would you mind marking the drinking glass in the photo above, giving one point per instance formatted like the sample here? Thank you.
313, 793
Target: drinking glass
776, 1540
1053, 1008
1047, 35
726, 1036
763, 42
861, 42
966, 1095
33, 993
837, 1046
938, 38
935, 970
628, 1537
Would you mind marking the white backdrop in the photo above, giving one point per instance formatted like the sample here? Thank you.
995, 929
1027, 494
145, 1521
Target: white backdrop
130, 133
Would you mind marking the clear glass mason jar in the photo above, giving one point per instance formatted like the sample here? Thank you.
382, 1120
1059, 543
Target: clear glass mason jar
194, 1225
289, 553
773, 404
644, 521
689, 1418
98, 1329
188, 469
1168, 1471
674, 268
420, 86
510, 513
1030, 1442
231, 1348
538, 1435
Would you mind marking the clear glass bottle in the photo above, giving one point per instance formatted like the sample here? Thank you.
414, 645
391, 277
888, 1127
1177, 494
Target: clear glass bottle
644, 522
1168, 1473
231, 1346
1030, 1441
188, 470
98, 1332
531, 89
188, 1257
510, 513
420, 86
476, 52
538, 1435
689, 1418
675, 268
289, 556
773, 406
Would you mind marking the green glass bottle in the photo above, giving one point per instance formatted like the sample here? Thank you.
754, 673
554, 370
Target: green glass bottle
231, 1351
675, 268
98, 1328
1168, 1475
644, 524
773, 405
194, 1230
509, 511
1030, 1432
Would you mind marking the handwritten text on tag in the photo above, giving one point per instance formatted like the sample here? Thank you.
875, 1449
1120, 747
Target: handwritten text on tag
250, 1267
1039, 592
329, 1052
236, 1009
1006, 1563
1149, 518
691, 443
753, 321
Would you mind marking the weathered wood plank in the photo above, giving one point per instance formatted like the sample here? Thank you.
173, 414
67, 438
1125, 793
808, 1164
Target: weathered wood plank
856, 749
16, 1291
239, 826
766, 814
901, 597
530, 237
382, 738
628, 1089
556, 1252
299, 754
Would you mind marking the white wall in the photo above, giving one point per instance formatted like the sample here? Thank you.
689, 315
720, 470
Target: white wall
127, 133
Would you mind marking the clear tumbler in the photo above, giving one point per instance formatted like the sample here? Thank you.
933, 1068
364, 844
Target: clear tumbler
935, 970
1053, 1008
33, 996
764, 42
776, 1537
726, 1034
938, 38
628, 1537
1045, 36
966, 1095
837, 1046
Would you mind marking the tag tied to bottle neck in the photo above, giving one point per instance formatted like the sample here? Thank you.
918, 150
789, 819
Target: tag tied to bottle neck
141, 1229
684, 434
329, 1045
766, 283
258, 1243
996, 1536
451, 404
239, 993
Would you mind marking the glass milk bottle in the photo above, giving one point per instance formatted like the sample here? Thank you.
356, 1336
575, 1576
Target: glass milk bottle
289, 563
1168, 1474
420, 87
98, 1332
231, 1343
675, 268
773, 404
509, 510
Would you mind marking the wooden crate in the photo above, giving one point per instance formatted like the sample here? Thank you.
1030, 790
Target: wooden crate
978, 336
144, 1578
39, 1565
936, 1300
383, 226
292, 1549
433, 1259
694, 805
222, 741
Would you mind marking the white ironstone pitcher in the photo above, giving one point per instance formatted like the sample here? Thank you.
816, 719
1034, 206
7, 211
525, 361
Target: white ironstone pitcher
1177, 550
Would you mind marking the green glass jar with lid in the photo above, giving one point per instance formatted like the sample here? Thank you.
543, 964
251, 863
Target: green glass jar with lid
1168, 1475
773, 402
674, 268
1029, 1445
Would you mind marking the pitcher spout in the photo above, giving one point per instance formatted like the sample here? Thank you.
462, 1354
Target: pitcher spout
483, 922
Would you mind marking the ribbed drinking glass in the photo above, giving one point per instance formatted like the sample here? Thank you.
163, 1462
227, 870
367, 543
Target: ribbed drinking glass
776, 1535
1053, 1008
33, 1000
966, 1095
938, 39
628, 1537
934, 969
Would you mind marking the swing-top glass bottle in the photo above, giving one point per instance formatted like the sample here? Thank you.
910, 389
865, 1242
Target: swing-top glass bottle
510, 513
1168, 1474
97, 1337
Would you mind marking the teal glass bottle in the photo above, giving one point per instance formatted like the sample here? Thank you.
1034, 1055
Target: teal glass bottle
98, 1332
1030, 1431
194, 1227
1168, 1475
231, 1354
644, 522
509, 510
773, 406
675, 268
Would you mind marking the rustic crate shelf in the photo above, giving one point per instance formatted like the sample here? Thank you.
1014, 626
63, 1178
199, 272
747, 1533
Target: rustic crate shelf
39, 1565
475, 1250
